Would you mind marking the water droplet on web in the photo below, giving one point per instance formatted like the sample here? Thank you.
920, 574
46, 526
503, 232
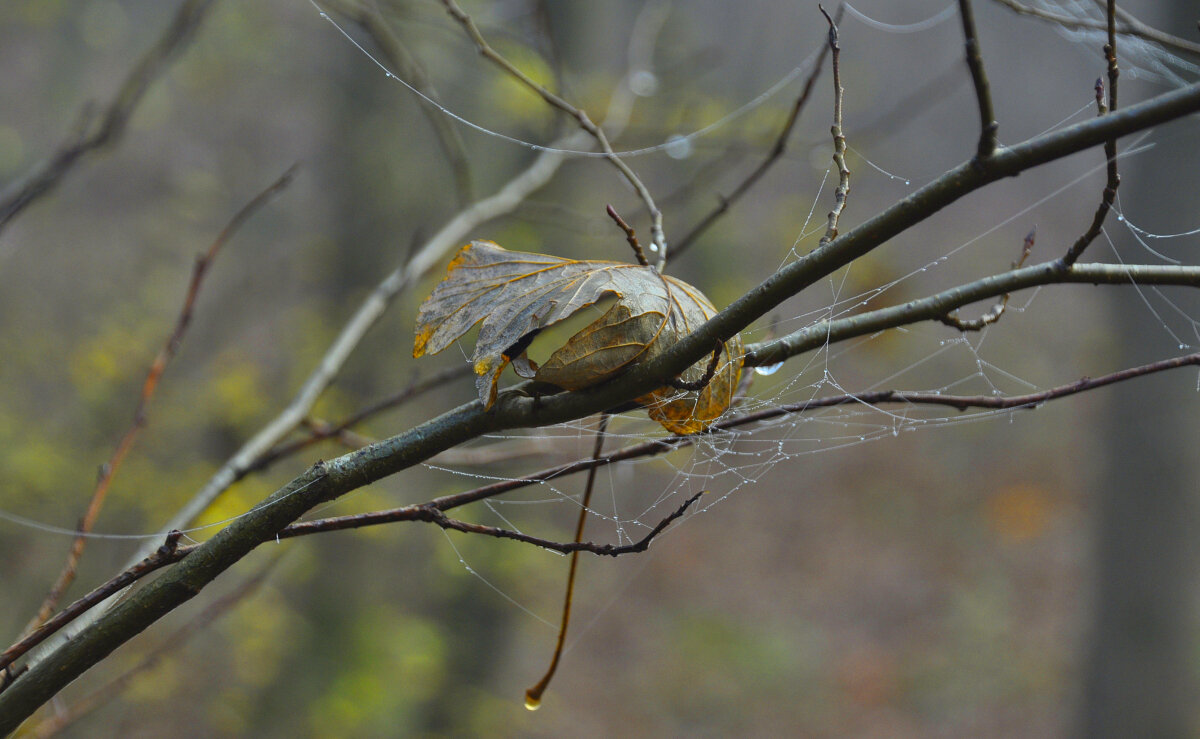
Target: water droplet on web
769, 369
643, 83
654, 247
907, 182
1120, 217
678, 147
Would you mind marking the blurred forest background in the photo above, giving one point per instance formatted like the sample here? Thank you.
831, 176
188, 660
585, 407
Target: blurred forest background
940, 583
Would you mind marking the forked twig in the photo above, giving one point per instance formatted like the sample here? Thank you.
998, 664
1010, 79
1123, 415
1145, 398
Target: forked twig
657, 237
153, 375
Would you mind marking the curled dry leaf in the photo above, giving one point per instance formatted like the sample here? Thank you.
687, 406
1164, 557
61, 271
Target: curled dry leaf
516, 294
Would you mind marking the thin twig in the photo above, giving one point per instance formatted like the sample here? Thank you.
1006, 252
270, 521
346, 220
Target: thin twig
983, 96
533, 696
439, 518
706, 378
153, 375
657, 237
1130, 26
173, 643
1113, 180
725, 202
319, 433
168, 553
630, 236
839, 139
976, 324
110, 125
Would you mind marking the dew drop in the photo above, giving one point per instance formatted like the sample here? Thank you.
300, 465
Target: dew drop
1120, 218
531, 702
643, 83
769, 369
678, 147
907, 182
654, 248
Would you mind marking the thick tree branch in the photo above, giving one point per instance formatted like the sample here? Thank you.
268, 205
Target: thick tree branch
327, 481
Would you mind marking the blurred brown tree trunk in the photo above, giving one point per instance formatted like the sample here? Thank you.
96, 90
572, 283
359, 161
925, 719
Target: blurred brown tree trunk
1140, 661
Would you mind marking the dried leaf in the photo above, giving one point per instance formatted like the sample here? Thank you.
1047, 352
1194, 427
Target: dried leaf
516, 294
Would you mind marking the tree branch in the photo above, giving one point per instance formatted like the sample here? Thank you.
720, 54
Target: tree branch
110, 126
1130, 26
937, 305
983, 96
327, 481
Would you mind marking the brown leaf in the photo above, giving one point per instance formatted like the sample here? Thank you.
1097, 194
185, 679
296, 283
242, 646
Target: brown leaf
516, 294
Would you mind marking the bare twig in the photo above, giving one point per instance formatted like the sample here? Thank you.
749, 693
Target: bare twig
93, 133
533, 696
153, 375
976, 324
657, 237
320, 433
1130, 26
1110, 147
839, 139
629, 236
983, 96
725, 202
173, 643
439, 518
168, 553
